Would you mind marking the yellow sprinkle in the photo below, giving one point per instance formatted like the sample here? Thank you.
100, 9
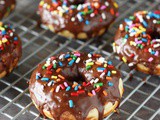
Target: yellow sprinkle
48, 6
115, 4
114, 72
4, 40
105, 65
1, 23
41, 3
90, 63
114, 44
1, 28
54, 77
132, 43
124, 59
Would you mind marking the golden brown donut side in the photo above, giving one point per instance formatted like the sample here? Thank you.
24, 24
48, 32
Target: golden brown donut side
137, 42
93, 91
74, 20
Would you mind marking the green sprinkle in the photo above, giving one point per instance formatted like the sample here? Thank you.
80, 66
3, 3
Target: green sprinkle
158, 22
131, 17
43, 67
88, 67
54, 66
98, 84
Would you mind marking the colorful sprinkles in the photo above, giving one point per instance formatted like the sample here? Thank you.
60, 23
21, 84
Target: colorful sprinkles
7, 36
63, 8
138, 30
104, 68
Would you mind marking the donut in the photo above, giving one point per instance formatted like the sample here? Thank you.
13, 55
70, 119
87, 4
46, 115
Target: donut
137, 41
6, 7
79, 19
10, 49
76, 86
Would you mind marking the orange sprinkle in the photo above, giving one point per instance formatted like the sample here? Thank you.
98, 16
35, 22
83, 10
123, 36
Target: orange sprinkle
79, 87
69, 59
52, 90
60, 76
58, 80
112, 11
74, 85
105, 93
58, 70
108, 78
98, 63
90, 94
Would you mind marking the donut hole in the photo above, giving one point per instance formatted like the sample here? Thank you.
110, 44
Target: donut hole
72, 74
79, 79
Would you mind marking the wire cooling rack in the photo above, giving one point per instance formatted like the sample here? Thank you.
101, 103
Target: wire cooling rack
141, 99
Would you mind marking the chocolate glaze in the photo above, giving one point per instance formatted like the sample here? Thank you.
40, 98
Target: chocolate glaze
64, 22
6, 6
140, 55
57, 102
9, 51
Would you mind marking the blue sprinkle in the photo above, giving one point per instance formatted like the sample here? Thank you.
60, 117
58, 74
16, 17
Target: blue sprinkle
15, 38
127, 20
71, 62
67, 56
100, 68
145, 23
70, 103
3, 32
37, 77
76, 88
87, 22
144, 39
126, 36
110, 84
109, 73
60, 64
109, 62
68, 88
45, 79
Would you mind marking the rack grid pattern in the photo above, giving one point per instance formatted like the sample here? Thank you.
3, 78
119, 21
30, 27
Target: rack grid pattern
141, 100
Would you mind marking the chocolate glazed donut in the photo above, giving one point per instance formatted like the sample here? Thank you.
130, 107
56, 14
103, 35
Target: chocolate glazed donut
6, 7
76, 86
82, 19
137, 41
10, 49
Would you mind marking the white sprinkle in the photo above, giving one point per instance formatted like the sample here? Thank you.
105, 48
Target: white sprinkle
106, 3
61, 56
101, 76
89, 60
78, 60
89, 55
103, 16
130, 64
92, 14
96, 80
154, 21
92, 81
50, 83
147, 17
156, 45
57, 88
73, 19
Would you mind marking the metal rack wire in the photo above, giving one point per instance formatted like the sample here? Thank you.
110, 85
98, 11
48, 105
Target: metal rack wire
141, 99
